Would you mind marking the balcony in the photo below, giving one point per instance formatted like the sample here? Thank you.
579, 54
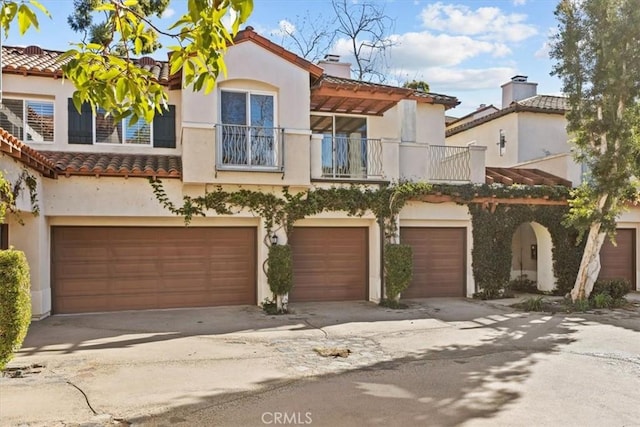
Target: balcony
350, 158
249, 148
441, 164
449, 163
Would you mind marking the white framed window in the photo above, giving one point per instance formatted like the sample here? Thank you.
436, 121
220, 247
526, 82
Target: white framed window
30, 120
106, 130
248, 131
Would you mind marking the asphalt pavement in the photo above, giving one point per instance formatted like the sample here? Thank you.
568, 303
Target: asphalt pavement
441, 362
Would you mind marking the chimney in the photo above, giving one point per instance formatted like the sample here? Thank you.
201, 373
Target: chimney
518, 88
332, 66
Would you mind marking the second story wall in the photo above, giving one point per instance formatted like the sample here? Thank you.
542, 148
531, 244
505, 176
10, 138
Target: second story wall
541, 135
260, 89
488, 134
57, 92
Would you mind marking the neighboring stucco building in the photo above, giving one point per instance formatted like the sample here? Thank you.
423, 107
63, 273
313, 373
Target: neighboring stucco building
529, 131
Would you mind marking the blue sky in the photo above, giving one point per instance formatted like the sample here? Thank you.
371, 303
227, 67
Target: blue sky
461, 48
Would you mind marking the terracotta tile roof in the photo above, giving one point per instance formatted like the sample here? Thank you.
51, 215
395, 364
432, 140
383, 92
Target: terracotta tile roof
34, 60
522, 176
111, 164
546, 102
480, 110
13, 147
249, 34
436, 98
536, 104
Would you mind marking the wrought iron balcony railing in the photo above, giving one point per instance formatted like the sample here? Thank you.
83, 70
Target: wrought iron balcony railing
351, 157
449, 163
241, 147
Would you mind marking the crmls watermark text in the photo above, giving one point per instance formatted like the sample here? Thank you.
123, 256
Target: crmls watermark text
287, 418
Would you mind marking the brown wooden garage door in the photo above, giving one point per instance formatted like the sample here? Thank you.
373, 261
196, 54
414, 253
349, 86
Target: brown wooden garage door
329, 264
438, 261
619, 261
128, 268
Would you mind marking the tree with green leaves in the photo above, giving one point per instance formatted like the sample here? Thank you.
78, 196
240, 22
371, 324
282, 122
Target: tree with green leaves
101, 67
597, 54
417, 85
82, 21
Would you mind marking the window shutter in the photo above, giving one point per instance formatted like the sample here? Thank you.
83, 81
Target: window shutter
80, 125
164, 129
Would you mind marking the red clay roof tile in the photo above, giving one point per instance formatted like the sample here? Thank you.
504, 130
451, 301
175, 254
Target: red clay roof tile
113, 164
13, 147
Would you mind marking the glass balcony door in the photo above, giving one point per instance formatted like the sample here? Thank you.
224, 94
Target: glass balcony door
344, 146
249, 136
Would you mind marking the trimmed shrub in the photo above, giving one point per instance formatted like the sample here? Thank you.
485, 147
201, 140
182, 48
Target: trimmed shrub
615, 288
398, 269
15, 303
280, 269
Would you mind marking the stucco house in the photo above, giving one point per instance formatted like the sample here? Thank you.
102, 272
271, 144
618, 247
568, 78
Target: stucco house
529, 131
103, 242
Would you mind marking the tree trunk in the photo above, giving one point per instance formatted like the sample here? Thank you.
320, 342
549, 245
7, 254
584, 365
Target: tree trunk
590, 264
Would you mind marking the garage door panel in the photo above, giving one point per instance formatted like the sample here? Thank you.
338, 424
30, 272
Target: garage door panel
438, 261
619, 261
330, 264
126, 268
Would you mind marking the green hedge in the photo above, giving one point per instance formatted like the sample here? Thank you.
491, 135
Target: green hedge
398, 269
15, 303
280, 269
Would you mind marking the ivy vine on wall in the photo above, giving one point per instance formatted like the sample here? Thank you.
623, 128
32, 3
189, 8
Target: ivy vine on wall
492, 228
492, 236
9, 194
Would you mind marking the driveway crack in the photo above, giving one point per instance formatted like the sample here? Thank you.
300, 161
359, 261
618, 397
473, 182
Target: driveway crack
86, 398
326, 335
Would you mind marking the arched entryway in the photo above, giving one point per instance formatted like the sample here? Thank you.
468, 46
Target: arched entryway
531, 248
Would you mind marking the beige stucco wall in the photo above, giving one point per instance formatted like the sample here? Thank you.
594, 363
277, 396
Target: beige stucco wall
418, 214
541, 135
488, 134
267, 73
521, 261
529, 138
59, 91
31, 236
430, 124
561, 165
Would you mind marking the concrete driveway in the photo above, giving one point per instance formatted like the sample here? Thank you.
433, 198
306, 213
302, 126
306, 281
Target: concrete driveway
442, 362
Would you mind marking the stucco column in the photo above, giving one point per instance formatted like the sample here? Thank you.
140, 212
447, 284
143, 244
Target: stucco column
477, 164
32, 238
316, 156
390, 159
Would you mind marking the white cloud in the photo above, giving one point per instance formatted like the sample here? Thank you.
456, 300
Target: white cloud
519, 2
229, 18
424, 49
486, 23
284, 28
168, 13
459, 79
543, 52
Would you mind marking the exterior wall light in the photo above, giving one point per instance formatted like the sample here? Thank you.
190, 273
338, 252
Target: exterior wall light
274, 239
